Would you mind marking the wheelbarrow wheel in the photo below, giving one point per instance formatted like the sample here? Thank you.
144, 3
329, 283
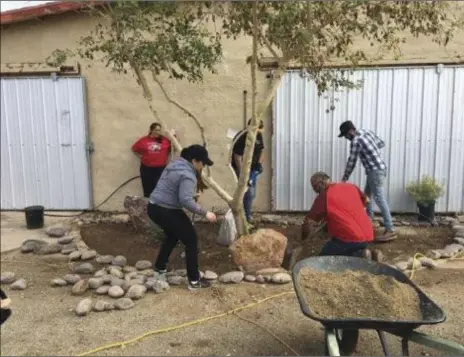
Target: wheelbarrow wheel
347, 341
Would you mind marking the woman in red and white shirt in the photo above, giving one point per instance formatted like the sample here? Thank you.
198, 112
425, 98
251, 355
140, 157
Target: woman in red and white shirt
153, 151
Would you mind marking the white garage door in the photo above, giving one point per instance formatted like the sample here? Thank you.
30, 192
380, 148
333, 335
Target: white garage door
418, 111
44, 144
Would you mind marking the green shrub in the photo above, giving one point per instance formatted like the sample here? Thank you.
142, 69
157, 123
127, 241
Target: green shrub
426, 190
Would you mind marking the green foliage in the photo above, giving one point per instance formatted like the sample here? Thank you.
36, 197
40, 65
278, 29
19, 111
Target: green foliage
315, 33
425, 191
167, 37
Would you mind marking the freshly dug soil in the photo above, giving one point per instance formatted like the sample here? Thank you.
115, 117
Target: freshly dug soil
354, 294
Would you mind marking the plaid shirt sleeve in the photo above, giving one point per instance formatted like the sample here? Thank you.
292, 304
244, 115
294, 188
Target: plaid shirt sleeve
351, 164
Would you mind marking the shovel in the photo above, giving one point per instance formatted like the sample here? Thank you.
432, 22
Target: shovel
295, 253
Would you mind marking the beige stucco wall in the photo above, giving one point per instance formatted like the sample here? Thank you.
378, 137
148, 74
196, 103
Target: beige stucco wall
118, 114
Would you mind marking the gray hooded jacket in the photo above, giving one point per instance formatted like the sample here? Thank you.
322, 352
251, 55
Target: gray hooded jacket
176, 188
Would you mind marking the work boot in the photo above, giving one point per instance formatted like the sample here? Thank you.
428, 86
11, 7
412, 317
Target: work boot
366, 254
377, 256
387, 236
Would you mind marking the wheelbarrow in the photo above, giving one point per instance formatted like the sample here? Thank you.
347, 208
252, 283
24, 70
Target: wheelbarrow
341, 335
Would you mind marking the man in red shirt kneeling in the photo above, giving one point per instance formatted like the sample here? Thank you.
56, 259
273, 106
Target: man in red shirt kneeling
342, 207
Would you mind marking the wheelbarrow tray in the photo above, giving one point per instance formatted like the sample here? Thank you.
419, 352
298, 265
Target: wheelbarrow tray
431, 312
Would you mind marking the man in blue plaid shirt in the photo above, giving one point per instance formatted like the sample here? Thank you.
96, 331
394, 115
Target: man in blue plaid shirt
366, 145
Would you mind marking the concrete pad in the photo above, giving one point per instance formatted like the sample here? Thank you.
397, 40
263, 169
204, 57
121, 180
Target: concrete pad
14, 232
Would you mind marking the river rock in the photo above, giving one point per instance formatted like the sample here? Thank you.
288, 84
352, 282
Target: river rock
143, 265
80, 287
250, 278
32, 245
124, 304
107, 278
116, 272
260, 279
176, 280
128, 269
234, 277
402, 266
150, 283
71, 278
102, 305
136, 292
102, 290
7, 277
428, 262
76, 255
119, 260
130, 276
20, 284
263, 249
100, 273
115, 292
52, 248
57, 231
454, 248
65, 240
147, 272
210, 275
69, 248
88, 254
115, 281
58, 282
104, 259
95, 283
160, 286
180, 272
458, 240
84, 268
83, 307
281, 278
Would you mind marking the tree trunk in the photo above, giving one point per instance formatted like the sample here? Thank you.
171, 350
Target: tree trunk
242, 187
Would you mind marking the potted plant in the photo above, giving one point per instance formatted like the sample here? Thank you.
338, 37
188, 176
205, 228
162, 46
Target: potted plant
425, 192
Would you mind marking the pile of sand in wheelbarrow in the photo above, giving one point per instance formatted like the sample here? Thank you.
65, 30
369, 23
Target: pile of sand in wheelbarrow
355, 294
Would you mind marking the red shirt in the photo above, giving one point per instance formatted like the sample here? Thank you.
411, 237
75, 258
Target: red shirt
341, 205
155, 152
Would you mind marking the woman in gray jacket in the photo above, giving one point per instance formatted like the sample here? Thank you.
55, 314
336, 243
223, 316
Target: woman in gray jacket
176, 190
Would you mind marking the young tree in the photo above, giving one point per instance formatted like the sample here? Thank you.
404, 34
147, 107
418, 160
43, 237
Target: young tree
171, 37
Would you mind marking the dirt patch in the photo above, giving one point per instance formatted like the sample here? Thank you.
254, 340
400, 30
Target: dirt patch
337, 295
121, 238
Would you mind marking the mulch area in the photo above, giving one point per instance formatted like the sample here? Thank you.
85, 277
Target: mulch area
123, 239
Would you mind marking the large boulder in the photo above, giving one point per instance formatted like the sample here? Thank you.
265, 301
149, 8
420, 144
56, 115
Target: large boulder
263, 249
136, 208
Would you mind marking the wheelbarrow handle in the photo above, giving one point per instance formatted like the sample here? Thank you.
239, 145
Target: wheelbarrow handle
437, 343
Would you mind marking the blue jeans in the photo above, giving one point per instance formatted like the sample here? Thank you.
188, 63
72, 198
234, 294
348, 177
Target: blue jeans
337, 247
250, 194
374, 189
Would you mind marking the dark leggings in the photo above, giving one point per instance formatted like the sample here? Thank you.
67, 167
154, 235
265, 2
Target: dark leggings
150, 177
177, 226
338, 247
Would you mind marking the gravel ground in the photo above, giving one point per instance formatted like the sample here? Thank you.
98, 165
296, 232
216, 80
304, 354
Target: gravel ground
43, 322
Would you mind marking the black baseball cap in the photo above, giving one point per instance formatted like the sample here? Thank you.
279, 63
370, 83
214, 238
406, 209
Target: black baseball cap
199, 153
345, 128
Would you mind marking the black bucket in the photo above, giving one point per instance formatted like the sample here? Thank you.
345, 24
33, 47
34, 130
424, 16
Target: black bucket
426, 212
34, 217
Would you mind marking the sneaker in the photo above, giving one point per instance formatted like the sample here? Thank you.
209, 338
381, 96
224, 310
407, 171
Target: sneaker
377, 256
197, 285
387, 236
160, 271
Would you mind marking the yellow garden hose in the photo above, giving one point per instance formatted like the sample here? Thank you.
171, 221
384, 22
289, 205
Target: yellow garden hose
123, 344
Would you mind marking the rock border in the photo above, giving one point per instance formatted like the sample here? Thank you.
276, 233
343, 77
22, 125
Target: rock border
125, 284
